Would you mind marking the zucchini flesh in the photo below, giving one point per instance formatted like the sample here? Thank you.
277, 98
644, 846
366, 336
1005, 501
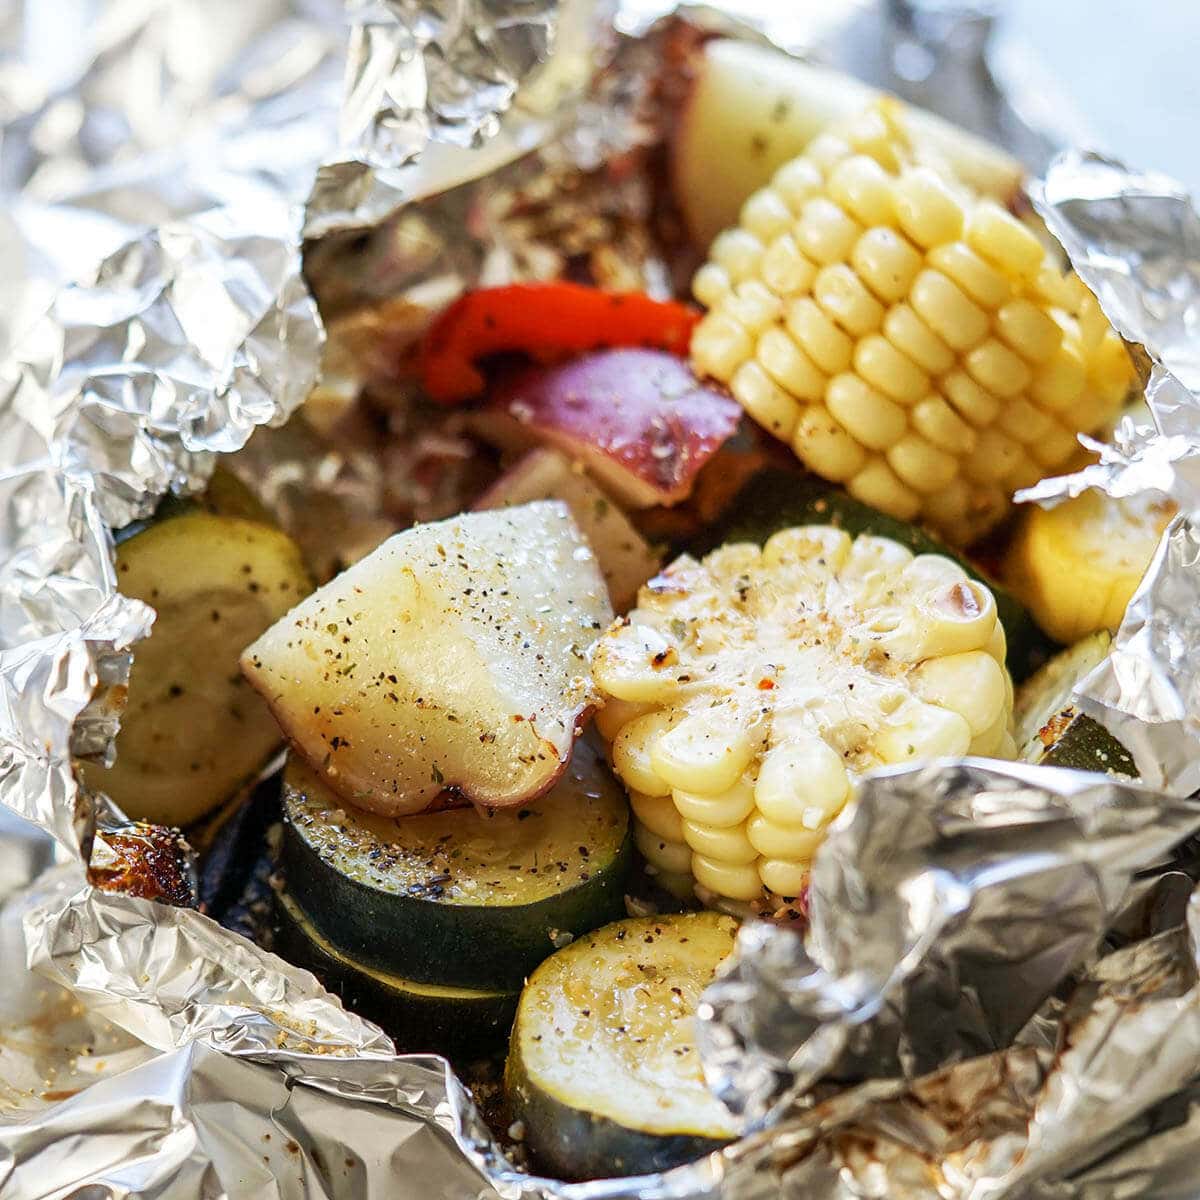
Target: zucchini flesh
602, 1067
419, 1017
1052, 731
193, 730
472, 897
776, 499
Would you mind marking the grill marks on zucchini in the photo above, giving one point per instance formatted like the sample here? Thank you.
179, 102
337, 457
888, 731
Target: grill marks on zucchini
464, 897
603, 1067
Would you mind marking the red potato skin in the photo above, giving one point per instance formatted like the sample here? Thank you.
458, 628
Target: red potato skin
641, 422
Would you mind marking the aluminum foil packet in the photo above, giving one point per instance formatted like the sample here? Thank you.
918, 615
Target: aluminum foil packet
999, 993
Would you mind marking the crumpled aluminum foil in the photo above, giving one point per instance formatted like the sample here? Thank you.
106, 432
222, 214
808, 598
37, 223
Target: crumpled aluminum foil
161, 171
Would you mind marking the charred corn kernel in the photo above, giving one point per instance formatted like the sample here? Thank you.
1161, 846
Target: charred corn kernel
730, 807
981, 281
786, 879
1077, 565
825, 233
615, 715
673, 857
910, 335
711, 285
876, 484
766, 215
1002, 239
816, 335
920, 464
784, 269
789, 366
891, 371
886, 263
944, 307
859, 259
1026, 329
822, 657
705, 753
727, 845
825, 447
636, 665
739, 253
863, 188
926, 209
867, 416
934, 419
769, 404
658, 814
839, 292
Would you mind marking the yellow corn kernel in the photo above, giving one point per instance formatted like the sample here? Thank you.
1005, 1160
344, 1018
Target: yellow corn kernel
870, 418
804, 543
728, 845
784, 269
1025, 423
663, 855
876, 484
632, 662
753, 305
838, 290
862, 187
1051, 286
923, 731
994, 456
1027, 329
631, 753
826, 150
886, 262
981, 281
1110, 367
872, 559
988, 742
946, 508
797, 182
995, 367
885, 367
945, 308
766, 215
615, 714
926, 209
870, 133
970, 684
824, 447
958, 618
1060, 381
1003, 240
768, 403
720, 345
1056, 447
1024, 474
921, 465
817, 335
711, 285
783, 878
706, 753
789, 366
658, 814
801, 782
910, 335
727, 879
825, 233
792, 843
934, 419
989, 503
731, 807
969, 400
739, 252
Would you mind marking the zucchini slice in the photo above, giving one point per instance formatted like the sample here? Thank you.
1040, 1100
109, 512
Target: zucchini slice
602, 1066
777, 498
1051, 730
419, 1017
470, 897
193, 729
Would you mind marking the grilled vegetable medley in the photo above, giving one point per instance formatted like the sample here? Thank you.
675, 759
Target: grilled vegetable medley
653, 587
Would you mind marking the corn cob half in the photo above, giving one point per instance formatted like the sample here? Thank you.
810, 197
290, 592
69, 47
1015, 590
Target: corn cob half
910, 341
746, 692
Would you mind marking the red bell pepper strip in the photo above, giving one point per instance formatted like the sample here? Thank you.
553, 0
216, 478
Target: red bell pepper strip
547, 321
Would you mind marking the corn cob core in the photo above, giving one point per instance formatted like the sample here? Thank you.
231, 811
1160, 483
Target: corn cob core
909, 341
745, 694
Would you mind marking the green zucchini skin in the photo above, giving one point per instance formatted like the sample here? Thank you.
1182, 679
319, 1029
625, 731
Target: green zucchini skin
1052, 731
778, 499
456, 1023
418, 932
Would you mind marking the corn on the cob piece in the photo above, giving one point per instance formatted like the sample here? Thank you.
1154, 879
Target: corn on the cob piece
910, 341
746, 693
1077, 565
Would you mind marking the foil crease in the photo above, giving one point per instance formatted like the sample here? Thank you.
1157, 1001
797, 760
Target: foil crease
156, 170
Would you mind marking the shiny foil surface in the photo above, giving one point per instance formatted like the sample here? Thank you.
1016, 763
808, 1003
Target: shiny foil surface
998, 995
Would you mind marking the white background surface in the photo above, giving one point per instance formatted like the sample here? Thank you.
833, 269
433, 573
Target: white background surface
1130, 67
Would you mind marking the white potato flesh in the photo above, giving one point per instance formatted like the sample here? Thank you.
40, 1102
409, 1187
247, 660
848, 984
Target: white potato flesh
452, 662
753, 108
